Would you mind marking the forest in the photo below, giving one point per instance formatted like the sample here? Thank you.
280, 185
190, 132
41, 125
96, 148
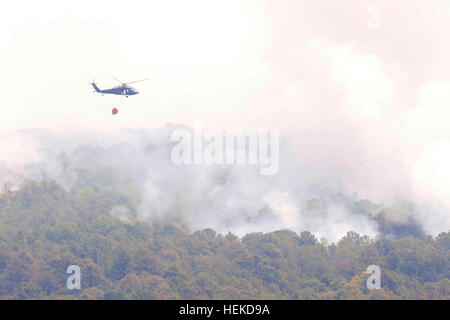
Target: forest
44, 228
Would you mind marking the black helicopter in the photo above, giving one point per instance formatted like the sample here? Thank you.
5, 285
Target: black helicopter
124, 89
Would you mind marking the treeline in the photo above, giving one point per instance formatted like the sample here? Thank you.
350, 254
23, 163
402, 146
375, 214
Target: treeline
45, 228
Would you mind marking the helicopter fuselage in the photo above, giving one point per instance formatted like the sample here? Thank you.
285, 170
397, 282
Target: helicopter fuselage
123, 90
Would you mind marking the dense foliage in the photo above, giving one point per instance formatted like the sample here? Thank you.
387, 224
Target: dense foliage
45, 228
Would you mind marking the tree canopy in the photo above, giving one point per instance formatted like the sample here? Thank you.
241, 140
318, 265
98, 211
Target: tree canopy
45, 228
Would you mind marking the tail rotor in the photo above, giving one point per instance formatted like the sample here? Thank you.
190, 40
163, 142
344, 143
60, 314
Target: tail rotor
97, 89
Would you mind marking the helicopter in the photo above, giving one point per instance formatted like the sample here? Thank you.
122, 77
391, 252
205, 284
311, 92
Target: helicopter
123, 90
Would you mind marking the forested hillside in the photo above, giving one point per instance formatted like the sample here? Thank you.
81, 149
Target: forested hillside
45, 228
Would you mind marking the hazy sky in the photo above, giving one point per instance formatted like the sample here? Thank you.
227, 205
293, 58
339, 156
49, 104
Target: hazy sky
361, 88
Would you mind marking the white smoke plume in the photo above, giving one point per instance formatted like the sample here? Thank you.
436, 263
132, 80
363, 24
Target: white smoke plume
226, 198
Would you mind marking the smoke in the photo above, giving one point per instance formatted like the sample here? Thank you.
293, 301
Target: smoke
226, 198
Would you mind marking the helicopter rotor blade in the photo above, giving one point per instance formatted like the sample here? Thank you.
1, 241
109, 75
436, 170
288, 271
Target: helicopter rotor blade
137, 81
118, 80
